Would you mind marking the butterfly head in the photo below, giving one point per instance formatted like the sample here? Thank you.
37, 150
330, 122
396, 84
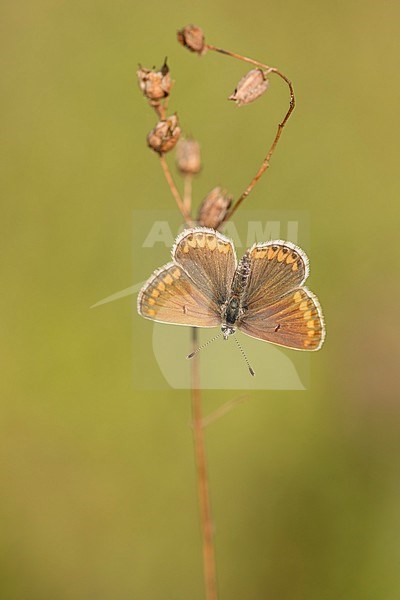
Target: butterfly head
227, 330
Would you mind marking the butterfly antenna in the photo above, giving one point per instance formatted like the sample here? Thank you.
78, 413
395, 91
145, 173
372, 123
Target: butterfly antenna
203, 346
244, 356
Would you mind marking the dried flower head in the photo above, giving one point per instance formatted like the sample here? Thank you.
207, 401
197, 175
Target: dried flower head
214, 208
155, 85
165, 135
188, 159
192, 38
250, 87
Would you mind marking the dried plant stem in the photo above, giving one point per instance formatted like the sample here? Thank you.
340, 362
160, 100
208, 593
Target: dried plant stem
187, 193
175, 191
160, 110
223, 410
266, 162
210, 577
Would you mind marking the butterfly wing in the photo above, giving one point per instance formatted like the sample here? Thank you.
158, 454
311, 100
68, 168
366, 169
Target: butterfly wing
294, 320
209, 258
277, 308
170, 296
275, 268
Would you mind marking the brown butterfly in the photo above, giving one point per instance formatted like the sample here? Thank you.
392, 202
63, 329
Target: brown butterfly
263, 295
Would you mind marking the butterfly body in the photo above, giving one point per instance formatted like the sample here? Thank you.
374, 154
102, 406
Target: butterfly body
233, 309
263, 295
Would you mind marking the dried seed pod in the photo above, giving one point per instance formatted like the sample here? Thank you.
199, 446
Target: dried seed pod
214, 207
155, 85
250, 87
192, 38
188, 159
165, 135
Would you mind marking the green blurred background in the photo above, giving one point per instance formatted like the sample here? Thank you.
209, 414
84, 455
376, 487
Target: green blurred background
98, 493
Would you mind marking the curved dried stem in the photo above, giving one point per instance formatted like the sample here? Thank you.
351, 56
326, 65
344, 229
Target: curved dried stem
266, 162
175, 192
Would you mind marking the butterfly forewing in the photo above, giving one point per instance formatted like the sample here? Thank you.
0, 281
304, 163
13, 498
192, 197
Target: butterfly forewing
209, 258
169, 296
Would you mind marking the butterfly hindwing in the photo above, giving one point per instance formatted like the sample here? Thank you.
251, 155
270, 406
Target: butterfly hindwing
209, 258
169, 296
295, 320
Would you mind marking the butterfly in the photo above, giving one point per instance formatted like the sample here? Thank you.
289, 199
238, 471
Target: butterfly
262, 295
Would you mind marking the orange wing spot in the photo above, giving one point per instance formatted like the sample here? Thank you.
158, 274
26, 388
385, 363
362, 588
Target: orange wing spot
151, 301
168, 279
155, 293
303, 305
261, 252
151, 312
161, 286
201, 240
223, 247
311, 333
307, 315
185, 248
192, 242
295, 267
297, 297
272, 252
211, 242
290, 259
307, 343
281, 255
176, 273
311, 324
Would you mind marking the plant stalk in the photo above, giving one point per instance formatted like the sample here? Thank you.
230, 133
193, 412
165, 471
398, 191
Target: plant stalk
210, 575
175, 192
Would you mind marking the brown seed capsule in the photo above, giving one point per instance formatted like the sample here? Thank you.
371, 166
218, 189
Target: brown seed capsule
155, 85
165, 135
214, 207
188, 158
192, 38
250, 87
